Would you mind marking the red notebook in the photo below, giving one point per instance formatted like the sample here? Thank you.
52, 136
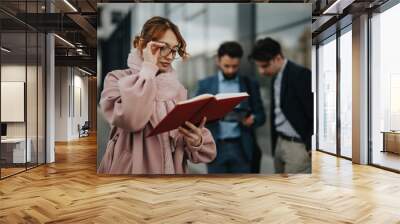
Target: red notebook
193, 110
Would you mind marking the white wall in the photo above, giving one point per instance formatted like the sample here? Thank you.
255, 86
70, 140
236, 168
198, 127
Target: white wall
16, 73
61, 103
80, 83
69, 85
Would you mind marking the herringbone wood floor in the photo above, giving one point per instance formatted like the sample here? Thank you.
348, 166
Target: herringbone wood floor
69, 191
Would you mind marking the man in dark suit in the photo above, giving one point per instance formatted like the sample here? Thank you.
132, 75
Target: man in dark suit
292, 107
237, 149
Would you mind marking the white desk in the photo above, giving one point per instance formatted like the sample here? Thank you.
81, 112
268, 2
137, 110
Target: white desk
16, 147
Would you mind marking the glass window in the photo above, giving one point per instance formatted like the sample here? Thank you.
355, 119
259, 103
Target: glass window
346, 94
193, 9
195, 32
41, 150
176, 15
222, 23
31, 96
327, 96
290, 29
294, 12
22, 93
385, 89
14, 151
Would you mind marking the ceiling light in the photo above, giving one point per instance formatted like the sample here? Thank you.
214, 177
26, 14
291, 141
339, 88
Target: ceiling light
5, 50
65, 41
79, 51
70, 5
333, 6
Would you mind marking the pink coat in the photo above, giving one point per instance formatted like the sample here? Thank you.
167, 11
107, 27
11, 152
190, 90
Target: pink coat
133, 101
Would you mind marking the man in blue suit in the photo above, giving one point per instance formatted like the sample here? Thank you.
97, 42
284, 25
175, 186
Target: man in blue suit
237, 149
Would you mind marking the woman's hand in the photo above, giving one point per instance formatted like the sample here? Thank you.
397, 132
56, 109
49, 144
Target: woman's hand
193, 135
152, 51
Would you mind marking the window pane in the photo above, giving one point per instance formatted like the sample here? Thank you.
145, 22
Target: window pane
346, 94
385, 84
41, 98
222, 22
196, 32
294, 12
13, 84
194, 9
31, 97
327, 97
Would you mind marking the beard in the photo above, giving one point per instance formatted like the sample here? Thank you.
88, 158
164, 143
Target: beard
229, 77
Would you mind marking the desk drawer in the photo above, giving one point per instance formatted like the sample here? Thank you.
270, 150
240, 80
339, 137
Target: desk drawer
6, 153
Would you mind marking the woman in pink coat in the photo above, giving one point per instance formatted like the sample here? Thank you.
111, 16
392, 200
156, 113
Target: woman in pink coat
134, 100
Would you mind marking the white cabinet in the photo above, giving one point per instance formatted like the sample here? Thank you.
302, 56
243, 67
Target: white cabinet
16, 147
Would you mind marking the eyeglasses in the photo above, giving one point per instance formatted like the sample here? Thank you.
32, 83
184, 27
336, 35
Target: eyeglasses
166, 50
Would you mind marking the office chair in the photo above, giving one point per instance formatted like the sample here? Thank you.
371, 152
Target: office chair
84, 130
